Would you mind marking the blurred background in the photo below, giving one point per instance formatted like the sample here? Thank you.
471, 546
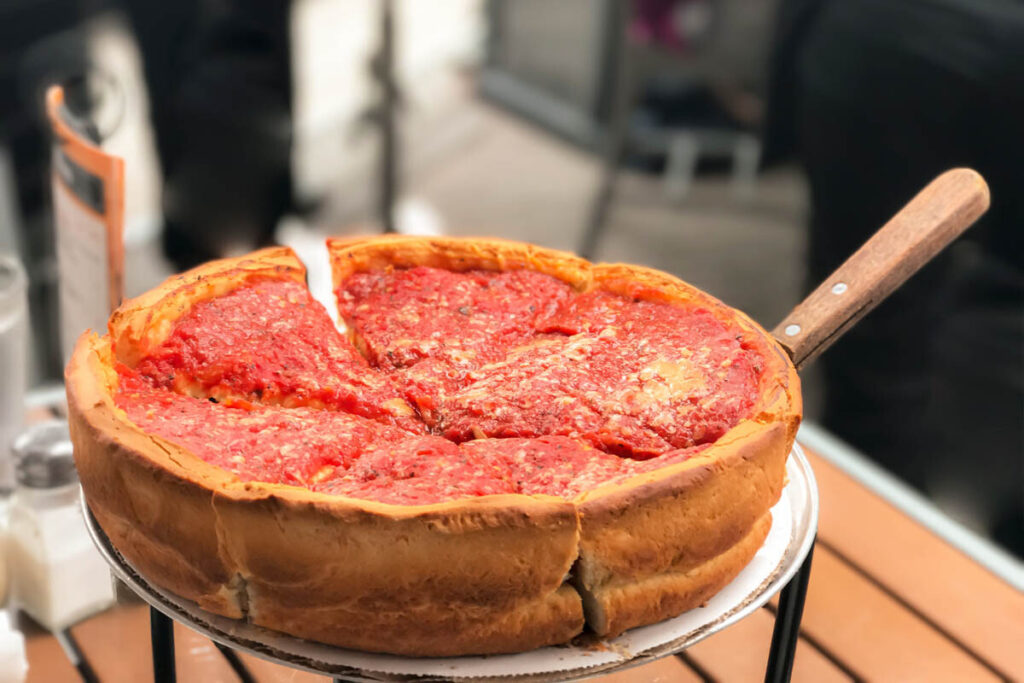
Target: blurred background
747, 146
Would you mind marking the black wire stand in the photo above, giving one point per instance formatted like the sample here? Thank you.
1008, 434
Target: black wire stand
787, 624
789, 580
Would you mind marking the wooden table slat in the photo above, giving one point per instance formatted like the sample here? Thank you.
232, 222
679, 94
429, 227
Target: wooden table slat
740, 653
117, 646
47, 663
874, 635
978, 608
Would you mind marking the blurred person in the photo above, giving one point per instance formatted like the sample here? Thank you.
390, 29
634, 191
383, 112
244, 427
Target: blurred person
218, 74
39, 45
875, 98
220, 88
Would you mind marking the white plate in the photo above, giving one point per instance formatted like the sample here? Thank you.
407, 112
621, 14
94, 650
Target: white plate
795, 521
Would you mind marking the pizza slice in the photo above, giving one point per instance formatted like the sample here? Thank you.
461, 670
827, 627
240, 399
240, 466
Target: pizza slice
465, 319
257, 443
431, 312
250, 331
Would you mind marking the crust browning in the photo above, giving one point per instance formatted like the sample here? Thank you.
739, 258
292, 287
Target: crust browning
617, 606
678, 518
360, 255
415, 581
152, 499
417, 628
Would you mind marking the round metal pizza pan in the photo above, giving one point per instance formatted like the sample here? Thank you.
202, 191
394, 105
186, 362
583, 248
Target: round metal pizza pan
795, 520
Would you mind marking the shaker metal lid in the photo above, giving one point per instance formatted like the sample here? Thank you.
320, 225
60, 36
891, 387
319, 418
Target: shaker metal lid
43, 456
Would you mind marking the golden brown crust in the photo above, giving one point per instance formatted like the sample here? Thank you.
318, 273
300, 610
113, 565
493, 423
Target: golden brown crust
680, 518
416, 628
262, 550
152, 499
367, 254
617, 606
466, 576
345, 575
677, 518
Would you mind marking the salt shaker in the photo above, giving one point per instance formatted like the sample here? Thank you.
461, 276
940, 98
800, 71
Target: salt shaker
57, 575
13, 362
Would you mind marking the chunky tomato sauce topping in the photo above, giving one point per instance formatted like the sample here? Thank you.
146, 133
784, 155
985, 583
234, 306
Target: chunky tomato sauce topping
437, 325
469, 318
340, 453
526, 386
426, 470
549, 465
270, 342
298, 446
641, 383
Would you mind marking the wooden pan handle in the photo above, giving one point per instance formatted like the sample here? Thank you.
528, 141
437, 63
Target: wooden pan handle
924, 227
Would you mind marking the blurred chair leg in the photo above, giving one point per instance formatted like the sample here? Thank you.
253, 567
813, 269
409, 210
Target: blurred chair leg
746, 158
384, 71
615, 139
681, 165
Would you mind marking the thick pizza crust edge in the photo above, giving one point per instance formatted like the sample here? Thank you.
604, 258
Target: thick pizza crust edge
640, 538
164, 524
194, 529
615, 607
456, 630
646, 531
263, 551
366, 254
345, 574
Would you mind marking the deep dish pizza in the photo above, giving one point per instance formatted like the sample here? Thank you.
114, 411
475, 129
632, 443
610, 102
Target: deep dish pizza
506, 446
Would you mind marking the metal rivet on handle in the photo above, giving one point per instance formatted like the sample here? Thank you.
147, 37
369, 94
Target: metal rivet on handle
792, 330
839, 288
